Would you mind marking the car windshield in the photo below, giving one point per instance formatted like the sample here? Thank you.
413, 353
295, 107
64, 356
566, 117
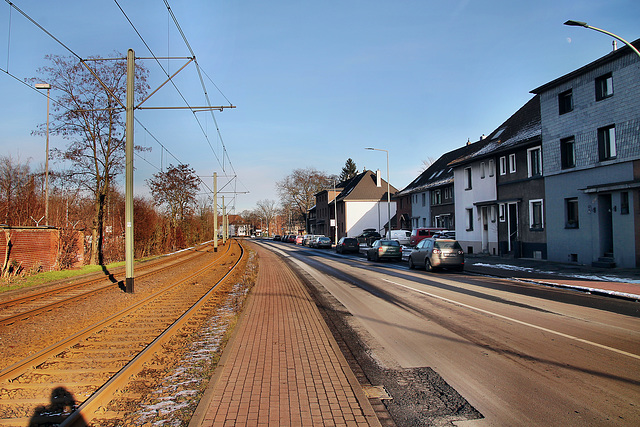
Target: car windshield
389, 243
444, 244
350, 240
324, 239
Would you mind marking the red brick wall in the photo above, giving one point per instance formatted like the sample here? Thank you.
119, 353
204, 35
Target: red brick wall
32, 247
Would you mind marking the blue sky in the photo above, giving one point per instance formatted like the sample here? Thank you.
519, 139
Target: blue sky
314, 83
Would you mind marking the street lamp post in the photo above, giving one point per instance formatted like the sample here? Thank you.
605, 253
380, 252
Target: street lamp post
388, 189
46, 86
572, 23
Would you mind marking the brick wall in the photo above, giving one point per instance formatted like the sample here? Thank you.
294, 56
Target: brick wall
34, 247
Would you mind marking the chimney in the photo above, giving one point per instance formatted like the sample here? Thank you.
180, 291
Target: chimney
378, 179
615, 45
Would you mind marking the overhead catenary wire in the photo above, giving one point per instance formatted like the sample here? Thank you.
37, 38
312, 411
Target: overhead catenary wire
82, 60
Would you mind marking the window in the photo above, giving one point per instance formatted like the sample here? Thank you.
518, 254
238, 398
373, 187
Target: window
512, 163
604, 87
503, 165
424, 199
482, 167
534, 162
436, 197
467, 178
565, 102
492, 168
571, 213
502, 216
424, 222
535, 215
624, 203
470, 219
607, 142
568, 152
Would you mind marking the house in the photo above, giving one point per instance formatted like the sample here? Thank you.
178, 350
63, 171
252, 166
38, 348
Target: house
358, 203
499, 189
430, 196
591, 149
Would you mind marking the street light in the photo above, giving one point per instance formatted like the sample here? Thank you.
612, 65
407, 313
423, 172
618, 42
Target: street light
572, 23
388, 189
46, 86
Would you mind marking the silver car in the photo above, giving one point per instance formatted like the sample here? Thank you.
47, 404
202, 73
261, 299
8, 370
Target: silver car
437, 253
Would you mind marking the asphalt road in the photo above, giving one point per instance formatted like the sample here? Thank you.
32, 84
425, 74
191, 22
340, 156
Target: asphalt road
517, 353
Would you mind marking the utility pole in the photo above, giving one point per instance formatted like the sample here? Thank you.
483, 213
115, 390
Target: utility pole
128, 207
224, 212
215, 212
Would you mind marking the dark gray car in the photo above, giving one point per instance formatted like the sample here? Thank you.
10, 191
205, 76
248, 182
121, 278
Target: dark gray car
437, 253
347, 244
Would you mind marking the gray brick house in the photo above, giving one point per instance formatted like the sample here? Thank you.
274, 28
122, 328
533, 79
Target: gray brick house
591, 149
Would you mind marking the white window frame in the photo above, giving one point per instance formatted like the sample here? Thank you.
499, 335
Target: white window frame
492, 168
503, 208
512, 163
531, 203
530, 158
503, 165
468, 182
482, 168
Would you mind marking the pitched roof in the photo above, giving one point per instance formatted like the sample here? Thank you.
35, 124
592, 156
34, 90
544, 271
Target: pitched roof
438, 173
363, 187
523, 127
611, 56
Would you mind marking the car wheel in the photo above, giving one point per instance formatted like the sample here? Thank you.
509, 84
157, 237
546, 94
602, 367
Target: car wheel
411, 264
427, 265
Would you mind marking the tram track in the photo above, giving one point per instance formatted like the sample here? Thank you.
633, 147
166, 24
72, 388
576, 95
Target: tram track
24, 307
99, 359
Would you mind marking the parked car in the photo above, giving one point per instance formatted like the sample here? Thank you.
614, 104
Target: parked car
437, 253
321, 243
402, 236
277, 237
417, 234
368, 236
347, 244
299, 240
308, 238
446, 234
384, 249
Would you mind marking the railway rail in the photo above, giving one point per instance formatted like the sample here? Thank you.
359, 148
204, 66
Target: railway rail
32, 304
86, 368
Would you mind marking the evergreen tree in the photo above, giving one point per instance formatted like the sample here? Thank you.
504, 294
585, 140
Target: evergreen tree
348, 171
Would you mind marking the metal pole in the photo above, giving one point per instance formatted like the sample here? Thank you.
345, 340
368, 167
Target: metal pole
335, 211
128, 207
573, 23
46, 167
388, 197
224, 236
215, 211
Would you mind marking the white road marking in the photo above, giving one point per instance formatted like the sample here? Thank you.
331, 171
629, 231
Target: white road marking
595, 344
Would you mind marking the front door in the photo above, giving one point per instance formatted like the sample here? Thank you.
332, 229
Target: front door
605, 219
513, 228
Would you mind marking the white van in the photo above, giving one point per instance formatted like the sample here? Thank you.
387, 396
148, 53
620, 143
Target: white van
402, 236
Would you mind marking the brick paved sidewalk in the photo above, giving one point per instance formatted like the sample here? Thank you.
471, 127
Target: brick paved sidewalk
282, 366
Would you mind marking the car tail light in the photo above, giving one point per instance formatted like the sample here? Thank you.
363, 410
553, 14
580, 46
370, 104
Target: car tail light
437, 251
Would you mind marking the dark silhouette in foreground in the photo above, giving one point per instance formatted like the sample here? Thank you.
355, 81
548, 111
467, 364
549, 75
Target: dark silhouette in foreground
61, 406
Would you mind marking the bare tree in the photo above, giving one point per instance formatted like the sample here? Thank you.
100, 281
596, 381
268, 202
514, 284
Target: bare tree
298, 190
427, 163
86, 113
267, 210
175, 189
18, 201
